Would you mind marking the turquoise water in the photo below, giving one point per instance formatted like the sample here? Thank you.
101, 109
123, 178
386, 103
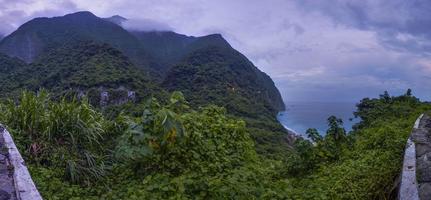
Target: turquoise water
299, 116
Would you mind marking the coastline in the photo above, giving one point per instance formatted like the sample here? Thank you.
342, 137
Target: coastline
290, 131
299, 116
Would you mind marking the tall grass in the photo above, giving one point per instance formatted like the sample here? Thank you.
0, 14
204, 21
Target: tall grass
63, 134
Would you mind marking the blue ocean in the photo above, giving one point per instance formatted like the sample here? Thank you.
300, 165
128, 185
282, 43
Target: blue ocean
299, 116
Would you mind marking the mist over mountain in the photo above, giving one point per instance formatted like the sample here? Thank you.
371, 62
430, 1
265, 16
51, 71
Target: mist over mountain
41, 35
116, 19
146, 25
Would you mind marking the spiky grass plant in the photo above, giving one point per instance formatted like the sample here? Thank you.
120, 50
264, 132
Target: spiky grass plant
63, 134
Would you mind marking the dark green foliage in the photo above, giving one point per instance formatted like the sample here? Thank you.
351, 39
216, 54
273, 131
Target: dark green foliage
368, 110
81, 54
8, 67
169, 151
169, 139
8, 64
64, 135
363, 164
271, 138
85, 67
313, 134
42, 35
212, 158
169, 47
224, 77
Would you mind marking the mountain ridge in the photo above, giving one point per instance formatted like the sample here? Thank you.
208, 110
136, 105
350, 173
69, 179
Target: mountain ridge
155, 52
207, 69
40, 35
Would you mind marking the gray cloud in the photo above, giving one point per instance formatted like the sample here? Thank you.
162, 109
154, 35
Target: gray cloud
322, 50
400, 24
145, 25
13, 13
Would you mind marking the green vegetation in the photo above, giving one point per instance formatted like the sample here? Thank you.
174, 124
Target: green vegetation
169, 151
220, 76
224, 77
86, 66
364, 164
81, 54
172, 151
46, 34
64, 135
89, 68
223, 143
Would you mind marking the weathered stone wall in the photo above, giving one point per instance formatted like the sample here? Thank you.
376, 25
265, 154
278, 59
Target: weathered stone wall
421, 136
416, 174
7, 187
17, 178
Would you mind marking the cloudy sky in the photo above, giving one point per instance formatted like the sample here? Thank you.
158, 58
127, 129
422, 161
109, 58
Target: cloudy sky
315, 50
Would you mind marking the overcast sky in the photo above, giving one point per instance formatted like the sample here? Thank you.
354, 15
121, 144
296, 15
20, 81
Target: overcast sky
315, 50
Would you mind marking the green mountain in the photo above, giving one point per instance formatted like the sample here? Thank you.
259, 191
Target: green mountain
82, 67
8, 64
154, 52
220, 69
223, 76
40, 35
8, 68
81, 52
170, 47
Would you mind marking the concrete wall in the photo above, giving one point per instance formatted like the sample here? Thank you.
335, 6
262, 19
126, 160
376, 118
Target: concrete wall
24, 186
416, 172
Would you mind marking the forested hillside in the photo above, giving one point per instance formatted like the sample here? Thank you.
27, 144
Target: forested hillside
222, 76
83, 54
38, 36
81, 67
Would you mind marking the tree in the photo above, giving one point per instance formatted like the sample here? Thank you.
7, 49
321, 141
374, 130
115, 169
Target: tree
336, 130
313, 134
409, 92
386, 97
331, 146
